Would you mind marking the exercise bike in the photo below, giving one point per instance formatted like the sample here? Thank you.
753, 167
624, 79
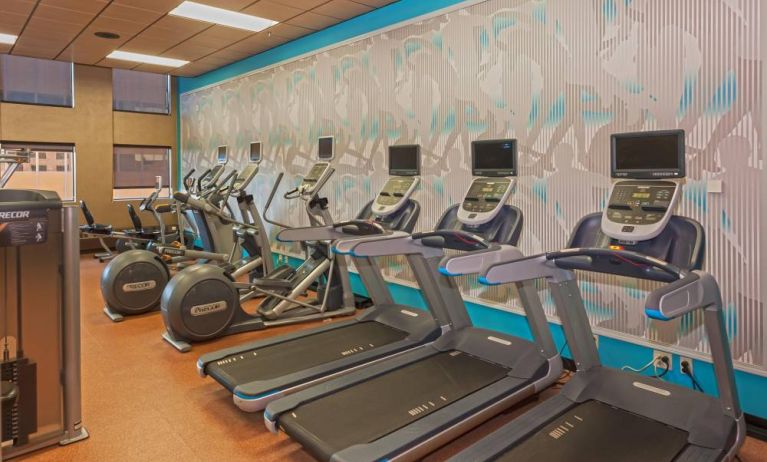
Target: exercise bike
204, 301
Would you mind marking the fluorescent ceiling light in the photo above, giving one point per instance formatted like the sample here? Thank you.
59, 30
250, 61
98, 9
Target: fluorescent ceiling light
148, 59
8, 39
207, 13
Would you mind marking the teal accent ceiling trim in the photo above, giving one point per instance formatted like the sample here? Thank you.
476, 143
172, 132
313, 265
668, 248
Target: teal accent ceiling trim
386, 16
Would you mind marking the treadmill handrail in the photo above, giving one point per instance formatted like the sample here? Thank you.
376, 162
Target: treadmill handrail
452, 239
342, 230
396, 243
477, 262
628, 256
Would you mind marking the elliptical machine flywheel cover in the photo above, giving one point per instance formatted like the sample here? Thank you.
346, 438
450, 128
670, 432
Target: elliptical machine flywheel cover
133, 281
199, 303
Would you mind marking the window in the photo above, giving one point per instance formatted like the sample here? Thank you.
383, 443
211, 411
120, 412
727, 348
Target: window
36, 81
51, 167
135, 91
136, 169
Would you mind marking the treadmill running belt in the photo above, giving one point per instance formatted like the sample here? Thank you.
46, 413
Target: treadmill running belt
377, 407
597, 432
301, 353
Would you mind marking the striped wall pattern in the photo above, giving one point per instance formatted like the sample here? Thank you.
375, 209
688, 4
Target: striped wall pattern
558, 75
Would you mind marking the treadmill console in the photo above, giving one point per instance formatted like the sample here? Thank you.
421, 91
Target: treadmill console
639, 210
317, 175
394, 194
641, 205
484, 200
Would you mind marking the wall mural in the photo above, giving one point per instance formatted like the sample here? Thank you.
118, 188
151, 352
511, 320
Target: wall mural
560, 76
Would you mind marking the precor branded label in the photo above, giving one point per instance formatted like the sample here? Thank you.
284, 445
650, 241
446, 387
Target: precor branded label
139, 286
208, 308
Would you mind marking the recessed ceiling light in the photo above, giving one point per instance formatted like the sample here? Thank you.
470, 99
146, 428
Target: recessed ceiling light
221, 16
148, 59
107, 35
8, 39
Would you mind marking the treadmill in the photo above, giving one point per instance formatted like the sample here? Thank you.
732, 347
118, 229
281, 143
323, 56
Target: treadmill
406, 406
259, 372
604, 414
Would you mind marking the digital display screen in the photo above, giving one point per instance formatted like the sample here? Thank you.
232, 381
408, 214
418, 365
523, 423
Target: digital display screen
255, 152
222, 155
648, 154
640, 195
494, 157
404, 160
325, 144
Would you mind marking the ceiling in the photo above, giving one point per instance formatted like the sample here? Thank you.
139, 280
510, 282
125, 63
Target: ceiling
64, 29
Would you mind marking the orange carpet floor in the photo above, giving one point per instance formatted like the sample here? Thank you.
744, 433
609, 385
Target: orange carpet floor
143, 400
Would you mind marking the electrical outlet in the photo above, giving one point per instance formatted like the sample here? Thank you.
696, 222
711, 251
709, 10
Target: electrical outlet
660, 354
689, 361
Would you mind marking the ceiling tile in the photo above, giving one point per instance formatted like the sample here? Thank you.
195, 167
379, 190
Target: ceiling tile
117, 63
272, 10
234, 5
181, 26
125, 29
162, 6
303, 4
375, 3
220, 36
150, 45
54, 13
23, 7
313, 21
86, 6
128, 13
12, 23
342, 9
5, 48
189, 51
288, 31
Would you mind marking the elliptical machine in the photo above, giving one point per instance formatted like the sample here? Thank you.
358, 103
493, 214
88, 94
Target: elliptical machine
132, 282
204, 302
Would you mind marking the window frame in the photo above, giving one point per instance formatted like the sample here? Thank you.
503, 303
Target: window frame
169, 150
27, 103
52, 144
168, 99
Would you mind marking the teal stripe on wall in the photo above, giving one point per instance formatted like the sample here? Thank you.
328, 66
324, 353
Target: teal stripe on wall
388, 15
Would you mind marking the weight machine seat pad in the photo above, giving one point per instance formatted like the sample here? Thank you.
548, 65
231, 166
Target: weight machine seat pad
272, 284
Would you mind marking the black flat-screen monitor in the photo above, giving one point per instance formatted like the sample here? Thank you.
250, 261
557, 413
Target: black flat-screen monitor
222, 155
325, 145
494, 157
405, 160
255, 152
643, 155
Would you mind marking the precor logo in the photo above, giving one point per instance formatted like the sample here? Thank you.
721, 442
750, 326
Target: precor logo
14, 215
139, 286
208, 308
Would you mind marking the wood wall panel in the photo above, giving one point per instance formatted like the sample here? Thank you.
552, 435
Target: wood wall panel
93, 128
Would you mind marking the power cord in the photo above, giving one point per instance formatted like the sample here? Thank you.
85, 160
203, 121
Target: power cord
666, 363
688, 372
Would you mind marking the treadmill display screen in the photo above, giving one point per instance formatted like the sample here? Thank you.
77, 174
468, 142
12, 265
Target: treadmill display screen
255, 152
494, 158
405, 160
658, 154
325, 145
222, 155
